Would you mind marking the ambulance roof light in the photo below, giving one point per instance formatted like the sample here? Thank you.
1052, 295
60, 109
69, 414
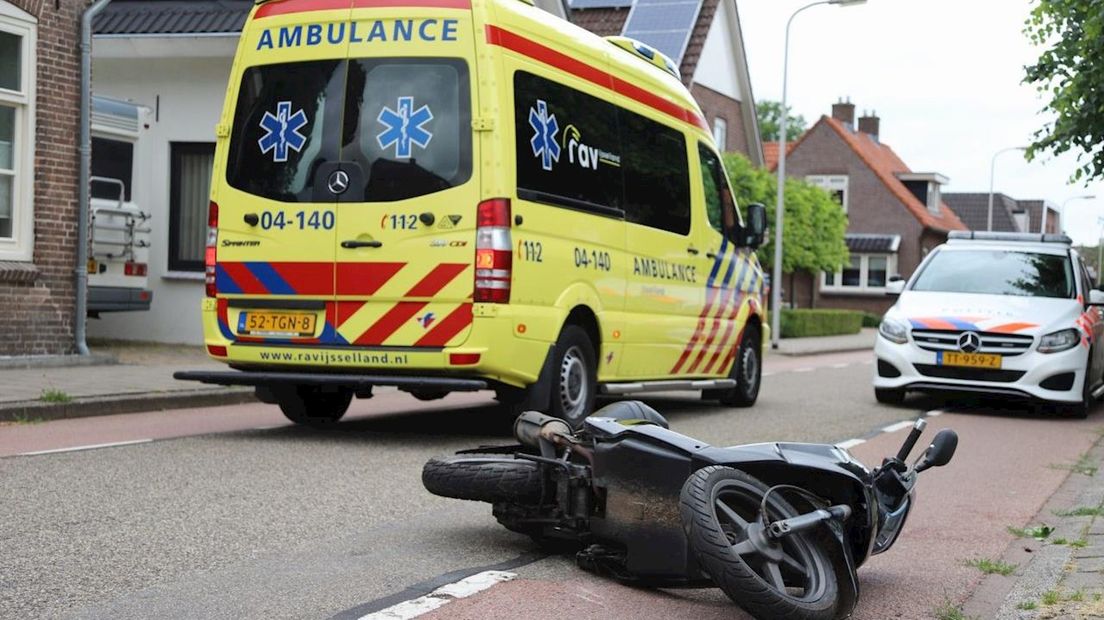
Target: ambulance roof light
647, 53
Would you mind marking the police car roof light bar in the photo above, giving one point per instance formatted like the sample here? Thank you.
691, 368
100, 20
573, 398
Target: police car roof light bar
980, 235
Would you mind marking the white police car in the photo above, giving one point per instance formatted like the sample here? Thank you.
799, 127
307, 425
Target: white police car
995, 313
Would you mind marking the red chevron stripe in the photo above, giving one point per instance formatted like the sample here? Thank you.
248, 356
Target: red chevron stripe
727, 335
307, 278
363, 279
711, 298
346, 309
390, 322
447, 327
246, 281
436, 280
726, 365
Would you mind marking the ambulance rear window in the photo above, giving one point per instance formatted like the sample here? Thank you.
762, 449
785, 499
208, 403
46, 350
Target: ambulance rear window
405, 122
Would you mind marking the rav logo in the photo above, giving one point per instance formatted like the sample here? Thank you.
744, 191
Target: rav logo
584, 155
426, 320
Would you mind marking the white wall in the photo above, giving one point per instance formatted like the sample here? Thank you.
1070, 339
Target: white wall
191, 92
717, 65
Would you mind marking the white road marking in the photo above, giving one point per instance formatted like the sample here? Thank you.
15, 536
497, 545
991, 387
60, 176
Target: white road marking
867, 362
892, 428
933, 413
804, 369
768, 374
441, 596
268, 428
88, 447
843, 365
850, 443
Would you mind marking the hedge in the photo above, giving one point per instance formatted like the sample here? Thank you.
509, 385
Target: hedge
802, 323
871, 320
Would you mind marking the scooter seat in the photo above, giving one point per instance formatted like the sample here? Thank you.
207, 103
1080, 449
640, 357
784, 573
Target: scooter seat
629, 412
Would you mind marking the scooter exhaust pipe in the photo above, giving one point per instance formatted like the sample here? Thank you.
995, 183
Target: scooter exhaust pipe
532, 426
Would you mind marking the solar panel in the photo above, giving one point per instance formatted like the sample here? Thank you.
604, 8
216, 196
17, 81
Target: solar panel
664, 24
599, 4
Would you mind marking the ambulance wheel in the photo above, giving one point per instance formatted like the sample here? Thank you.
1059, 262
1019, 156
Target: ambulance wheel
575, 381
313, 406
747, 370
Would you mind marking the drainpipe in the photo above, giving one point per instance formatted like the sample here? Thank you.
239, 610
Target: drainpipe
81, 310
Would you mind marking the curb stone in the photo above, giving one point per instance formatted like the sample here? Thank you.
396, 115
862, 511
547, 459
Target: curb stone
34, 410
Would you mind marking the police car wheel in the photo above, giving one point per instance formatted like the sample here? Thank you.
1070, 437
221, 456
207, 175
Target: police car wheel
312, 406
575, 382
747, 370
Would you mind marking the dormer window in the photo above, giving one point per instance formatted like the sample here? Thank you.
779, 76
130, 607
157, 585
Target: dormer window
926, 186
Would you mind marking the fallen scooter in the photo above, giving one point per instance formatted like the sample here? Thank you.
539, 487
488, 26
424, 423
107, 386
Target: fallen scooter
780, 527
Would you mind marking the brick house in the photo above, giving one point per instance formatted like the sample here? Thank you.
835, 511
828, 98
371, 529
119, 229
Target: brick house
895, 216
1009, 214
175, 58
39, 165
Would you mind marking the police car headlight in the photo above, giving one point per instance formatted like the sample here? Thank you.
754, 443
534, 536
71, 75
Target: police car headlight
893, 331
1058, 341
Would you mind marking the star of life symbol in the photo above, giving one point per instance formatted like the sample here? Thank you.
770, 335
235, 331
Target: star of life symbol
282, 131
544, 134
404, 127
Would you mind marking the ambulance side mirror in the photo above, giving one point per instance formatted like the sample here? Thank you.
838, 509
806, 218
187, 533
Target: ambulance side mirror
756, 227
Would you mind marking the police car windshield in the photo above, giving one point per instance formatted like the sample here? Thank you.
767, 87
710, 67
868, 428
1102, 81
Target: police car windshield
998, 272
403, 124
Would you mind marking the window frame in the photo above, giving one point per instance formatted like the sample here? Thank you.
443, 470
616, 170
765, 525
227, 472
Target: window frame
864, 274
20, 246
176, 151
832, 183
720, 133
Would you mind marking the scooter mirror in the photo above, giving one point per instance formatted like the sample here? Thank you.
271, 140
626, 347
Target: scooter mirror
940, 451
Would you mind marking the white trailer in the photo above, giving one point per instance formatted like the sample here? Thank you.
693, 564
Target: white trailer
118, 265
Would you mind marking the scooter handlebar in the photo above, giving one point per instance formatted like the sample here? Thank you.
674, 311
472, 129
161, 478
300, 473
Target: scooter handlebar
910, 441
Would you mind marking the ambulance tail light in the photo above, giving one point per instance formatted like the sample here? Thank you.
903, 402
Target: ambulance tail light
494, 254
210, 252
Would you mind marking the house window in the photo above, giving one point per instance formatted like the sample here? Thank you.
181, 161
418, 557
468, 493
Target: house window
720, 134
835, 184
189, 191
933, 198
17, 61
864, 272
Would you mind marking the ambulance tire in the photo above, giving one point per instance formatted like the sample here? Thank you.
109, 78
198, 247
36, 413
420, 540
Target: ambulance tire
311, 406
747, 370
575, 380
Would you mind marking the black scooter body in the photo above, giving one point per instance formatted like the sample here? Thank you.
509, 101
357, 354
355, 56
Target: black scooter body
641, 470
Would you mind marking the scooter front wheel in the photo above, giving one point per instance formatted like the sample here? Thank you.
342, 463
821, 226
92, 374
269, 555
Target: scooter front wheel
791, 577
484, 479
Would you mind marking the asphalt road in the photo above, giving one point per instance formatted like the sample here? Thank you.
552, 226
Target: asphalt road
220, 519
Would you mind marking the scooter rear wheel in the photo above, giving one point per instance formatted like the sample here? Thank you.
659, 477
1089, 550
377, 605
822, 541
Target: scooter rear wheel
791, 578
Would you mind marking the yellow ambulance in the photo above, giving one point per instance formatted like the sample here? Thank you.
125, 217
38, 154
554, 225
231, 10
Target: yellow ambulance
451, 195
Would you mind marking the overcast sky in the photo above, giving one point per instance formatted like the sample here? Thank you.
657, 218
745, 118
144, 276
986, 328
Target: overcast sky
943, 75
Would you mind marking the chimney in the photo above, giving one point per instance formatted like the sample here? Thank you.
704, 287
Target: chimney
869, 123
844, 112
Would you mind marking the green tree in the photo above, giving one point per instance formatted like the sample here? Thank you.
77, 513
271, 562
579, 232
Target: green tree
814, 227
770, 118
1070, 73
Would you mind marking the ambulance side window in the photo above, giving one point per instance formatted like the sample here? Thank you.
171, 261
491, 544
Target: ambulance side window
568, 150
719, 204
657, 177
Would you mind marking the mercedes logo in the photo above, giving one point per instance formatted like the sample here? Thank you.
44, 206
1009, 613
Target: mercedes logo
338, 182
969, 342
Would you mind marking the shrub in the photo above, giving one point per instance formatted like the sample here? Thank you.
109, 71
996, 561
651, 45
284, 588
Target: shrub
871, 320
802, 323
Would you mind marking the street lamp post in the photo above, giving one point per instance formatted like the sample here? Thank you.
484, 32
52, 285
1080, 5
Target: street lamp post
776, 276
1061, 210
992, 170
